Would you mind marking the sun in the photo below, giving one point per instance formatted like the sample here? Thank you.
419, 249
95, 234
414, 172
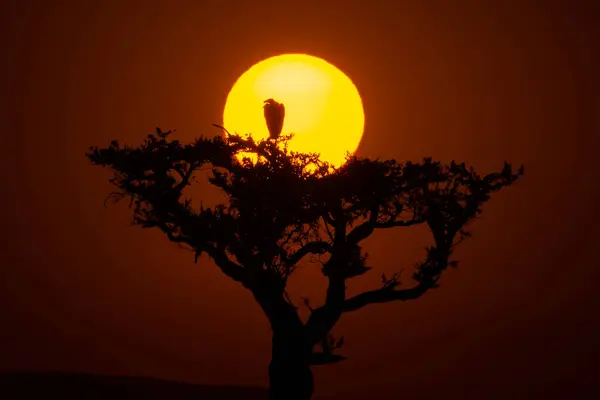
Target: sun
323, 108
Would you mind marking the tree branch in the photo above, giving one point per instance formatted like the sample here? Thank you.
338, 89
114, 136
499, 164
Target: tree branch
229, 268
185, 177
324, 318
319, 247
427, 272
385, 295
394, 224
365, 229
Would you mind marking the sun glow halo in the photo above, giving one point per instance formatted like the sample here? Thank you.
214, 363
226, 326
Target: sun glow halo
323, 108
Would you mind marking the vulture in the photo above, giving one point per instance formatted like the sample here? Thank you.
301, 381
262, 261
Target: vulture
274, 114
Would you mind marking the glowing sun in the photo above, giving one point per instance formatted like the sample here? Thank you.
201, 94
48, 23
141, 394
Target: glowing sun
323, 108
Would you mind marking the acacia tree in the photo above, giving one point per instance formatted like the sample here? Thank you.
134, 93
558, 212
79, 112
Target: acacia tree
285, 206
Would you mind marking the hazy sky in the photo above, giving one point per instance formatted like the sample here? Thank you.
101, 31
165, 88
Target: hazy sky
475, 81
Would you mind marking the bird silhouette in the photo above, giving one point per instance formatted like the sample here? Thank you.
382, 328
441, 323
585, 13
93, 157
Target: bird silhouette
274, 114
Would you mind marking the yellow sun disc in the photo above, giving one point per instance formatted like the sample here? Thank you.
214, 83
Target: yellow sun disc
323, 108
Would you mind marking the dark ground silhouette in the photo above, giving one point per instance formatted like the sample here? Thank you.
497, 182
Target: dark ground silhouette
67, 386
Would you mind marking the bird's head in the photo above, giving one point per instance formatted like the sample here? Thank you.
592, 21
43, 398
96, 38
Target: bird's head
270, 102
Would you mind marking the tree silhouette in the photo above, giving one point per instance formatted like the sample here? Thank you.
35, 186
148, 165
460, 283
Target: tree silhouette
286, 206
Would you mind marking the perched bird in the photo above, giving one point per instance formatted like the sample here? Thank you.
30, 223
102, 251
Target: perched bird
274, 114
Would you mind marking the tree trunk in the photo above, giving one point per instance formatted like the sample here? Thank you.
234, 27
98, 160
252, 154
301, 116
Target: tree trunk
290, 377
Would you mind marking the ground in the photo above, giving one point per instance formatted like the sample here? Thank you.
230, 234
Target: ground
67, 386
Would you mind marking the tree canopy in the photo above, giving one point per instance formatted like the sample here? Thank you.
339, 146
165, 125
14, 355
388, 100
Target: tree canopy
288, 205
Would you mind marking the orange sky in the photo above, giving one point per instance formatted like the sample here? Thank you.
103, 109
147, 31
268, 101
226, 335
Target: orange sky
82, 290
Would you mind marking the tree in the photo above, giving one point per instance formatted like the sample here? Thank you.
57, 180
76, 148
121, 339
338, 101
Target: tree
286, 206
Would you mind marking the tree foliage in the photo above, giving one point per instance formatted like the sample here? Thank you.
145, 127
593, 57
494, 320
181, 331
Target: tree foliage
286, 206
